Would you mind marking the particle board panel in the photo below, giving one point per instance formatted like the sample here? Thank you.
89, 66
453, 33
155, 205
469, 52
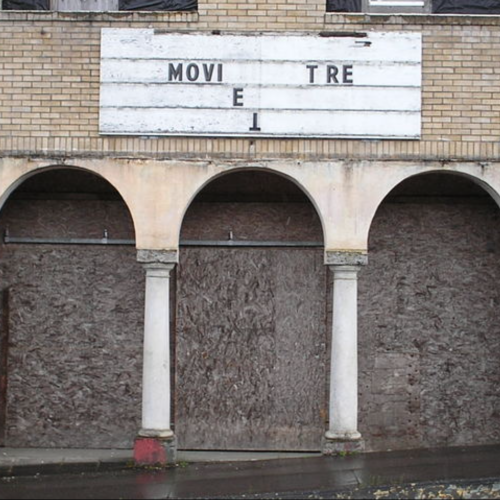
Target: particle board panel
66, 219
429, 339
76, 326
75, 357
252, 221
4, 357
251, 346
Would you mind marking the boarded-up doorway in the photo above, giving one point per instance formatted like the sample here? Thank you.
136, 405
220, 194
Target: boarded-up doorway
251, 320
428, 329
72, 319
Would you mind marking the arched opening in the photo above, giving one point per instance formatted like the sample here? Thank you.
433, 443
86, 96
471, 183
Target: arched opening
71, 315
429, 339
250, 326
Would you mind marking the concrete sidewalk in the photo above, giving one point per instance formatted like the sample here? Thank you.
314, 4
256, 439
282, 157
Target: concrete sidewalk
303, 477
26, 461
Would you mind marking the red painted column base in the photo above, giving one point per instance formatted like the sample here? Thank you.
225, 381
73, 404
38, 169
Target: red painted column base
154, 451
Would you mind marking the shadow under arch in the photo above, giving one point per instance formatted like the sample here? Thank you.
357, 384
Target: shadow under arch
75, 312
271, 172
60, 168
428, 305
251, 330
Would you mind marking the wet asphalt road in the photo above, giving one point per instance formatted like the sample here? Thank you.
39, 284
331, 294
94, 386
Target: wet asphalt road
292, 478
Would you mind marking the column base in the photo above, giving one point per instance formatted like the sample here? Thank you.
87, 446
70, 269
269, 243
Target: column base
155, 433
155, 451
342, 445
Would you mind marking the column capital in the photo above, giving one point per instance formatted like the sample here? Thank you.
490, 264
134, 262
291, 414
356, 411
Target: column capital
346, 258
158, 269
345, 272
154, 257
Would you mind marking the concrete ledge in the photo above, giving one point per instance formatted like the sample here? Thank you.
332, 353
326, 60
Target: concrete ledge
64, 468
95, 16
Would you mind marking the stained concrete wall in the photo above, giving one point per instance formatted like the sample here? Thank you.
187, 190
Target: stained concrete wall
429, 339
75, 320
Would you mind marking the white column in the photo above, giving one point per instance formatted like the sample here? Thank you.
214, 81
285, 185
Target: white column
156, 371
344, 355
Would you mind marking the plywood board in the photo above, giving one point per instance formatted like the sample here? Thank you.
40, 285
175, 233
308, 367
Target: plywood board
251, 346
429, 341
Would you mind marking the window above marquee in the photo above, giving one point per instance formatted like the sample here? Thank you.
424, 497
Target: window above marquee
101, 5
484, 7
401, 6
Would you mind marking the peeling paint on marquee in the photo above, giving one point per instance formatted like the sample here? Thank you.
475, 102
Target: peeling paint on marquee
267, 85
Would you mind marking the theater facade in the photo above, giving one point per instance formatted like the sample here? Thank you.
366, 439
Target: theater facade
247, 226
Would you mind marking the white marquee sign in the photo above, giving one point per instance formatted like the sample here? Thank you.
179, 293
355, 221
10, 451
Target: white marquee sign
359, 86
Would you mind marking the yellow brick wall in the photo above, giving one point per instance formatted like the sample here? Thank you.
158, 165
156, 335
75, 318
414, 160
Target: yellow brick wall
49, 83
262, 15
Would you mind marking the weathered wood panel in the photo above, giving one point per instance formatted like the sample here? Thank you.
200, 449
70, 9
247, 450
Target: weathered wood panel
345, 99
152, 71
231, 85
429, 338
251, 346
146, 44
252, 122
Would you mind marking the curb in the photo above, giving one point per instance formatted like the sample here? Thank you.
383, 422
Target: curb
64, 468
